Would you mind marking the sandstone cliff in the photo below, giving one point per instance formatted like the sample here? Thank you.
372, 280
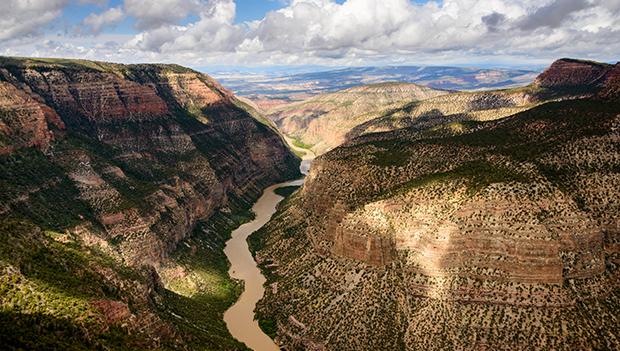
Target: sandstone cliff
499, 234
129, 160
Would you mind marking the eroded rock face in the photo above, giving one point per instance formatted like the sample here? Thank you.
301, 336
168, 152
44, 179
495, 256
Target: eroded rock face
115, 312
24, 121
611, 86
138, 110
500, 236
569, 73
197, 90
95, 96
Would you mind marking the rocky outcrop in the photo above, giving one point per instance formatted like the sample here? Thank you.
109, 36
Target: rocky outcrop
572, 74
24, 121
611, 86
569, 78
115, 312
501, 234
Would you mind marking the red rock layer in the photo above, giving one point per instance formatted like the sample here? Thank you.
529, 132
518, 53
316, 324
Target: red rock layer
567, 73
97, 96
191, 89
24, 122
611, 87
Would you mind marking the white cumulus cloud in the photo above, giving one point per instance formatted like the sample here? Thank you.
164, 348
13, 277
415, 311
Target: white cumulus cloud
201, 32
20, 18
110, 17
151, 14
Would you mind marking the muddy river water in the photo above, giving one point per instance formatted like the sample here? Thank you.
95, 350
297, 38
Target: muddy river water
240, 317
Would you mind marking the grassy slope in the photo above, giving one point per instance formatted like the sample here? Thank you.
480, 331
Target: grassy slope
48, 280
565, 121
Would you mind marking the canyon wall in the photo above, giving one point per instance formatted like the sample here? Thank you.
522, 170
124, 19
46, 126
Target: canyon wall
128, 159
495, 235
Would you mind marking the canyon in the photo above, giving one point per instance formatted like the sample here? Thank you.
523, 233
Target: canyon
138, 211
322, 122
240, 318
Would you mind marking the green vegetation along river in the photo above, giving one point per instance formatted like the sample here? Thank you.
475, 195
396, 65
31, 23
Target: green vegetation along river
240, 317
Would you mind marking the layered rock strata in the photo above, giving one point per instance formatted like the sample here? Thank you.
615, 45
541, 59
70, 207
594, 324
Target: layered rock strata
494, 235
128, 159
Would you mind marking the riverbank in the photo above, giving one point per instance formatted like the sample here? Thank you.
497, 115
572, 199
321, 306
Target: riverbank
240, 318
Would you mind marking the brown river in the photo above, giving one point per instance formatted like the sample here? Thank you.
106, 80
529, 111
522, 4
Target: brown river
240, 317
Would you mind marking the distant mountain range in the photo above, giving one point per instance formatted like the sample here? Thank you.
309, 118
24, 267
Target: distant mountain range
297, 86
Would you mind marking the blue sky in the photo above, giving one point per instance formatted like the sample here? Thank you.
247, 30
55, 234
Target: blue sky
252, 10
247, 10
263, 33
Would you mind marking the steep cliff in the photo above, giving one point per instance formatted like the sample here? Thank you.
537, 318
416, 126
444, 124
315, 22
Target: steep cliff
500, 234
120, 164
